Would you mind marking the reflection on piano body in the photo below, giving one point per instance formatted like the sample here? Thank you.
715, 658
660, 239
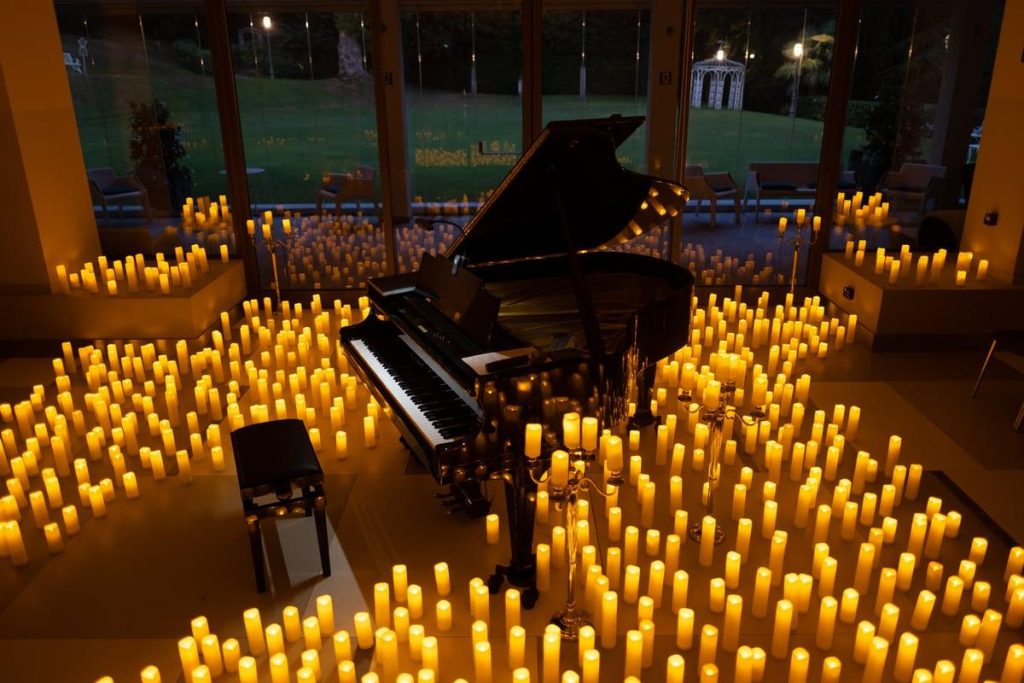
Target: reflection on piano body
525, 319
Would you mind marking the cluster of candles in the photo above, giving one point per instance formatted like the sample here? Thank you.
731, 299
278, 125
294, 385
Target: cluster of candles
324, 251
124, 407
925, 270
855, 210
725, 270
202, 214
128, 410
132, 275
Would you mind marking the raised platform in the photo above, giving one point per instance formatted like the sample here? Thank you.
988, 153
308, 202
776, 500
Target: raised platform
931, 314
183, 314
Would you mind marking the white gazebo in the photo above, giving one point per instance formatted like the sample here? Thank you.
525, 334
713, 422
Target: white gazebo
717, 83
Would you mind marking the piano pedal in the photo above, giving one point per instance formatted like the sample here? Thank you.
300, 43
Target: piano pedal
525, 582
465, 497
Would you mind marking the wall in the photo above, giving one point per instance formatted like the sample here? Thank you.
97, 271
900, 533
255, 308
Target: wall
47, 212
999, 177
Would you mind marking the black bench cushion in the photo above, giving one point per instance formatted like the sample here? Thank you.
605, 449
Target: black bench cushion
120, 189
777, 186
274, 456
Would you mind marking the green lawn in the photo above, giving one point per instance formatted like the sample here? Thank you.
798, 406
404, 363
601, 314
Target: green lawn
297, 130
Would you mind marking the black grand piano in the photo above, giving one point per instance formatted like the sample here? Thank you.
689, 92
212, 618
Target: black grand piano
526, 318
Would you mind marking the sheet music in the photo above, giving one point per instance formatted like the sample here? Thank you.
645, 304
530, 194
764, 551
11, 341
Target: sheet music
479, 362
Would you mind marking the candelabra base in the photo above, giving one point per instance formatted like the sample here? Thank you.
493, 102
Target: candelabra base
643, 418
569, 622
697, 530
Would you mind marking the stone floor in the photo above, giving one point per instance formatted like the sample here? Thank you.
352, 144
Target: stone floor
123, 592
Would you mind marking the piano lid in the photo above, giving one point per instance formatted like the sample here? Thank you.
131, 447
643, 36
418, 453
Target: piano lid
574, 162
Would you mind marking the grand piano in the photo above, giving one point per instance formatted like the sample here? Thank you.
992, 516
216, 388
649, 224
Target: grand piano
526, 317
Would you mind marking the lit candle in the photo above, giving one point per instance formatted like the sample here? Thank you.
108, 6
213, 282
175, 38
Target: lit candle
382, 604
826, 622
781, 629
961, 278
707, 541
369, 431
516, 647
922, 610
571, 430
443, 612
762, 587
492, 529
364, 630
982, 269
559, 469
878, 650
634, 653
254, 631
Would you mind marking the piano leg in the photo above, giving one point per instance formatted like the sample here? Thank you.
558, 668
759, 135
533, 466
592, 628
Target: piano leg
521, 571
643, 417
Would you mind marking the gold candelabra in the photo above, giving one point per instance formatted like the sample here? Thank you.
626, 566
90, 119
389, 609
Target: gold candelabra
714, 417
565, 494
800, 219
272, 244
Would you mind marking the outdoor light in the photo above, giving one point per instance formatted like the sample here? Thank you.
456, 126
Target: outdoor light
267, 23
798, 50
751, 55
720, 55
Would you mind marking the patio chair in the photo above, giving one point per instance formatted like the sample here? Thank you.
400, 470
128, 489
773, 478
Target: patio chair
712, 187
106, 187
358, 186
912, 184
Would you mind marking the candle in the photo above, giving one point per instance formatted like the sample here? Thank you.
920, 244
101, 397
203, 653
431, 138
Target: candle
961, 278
492, 529
878, 650
707, 541
762, 586
906, 653
54, 541
982, 269
922, 610
254, 631
733, 616
516, 647
363, 629
571, 430
369, 431
684, 628
292, 620
781, 629
634, 653
894, 273
826, 622
559, 469
970, 666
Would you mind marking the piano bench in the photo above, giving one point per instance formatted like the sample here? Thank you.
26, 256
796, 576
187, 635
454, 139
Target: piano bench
276, 459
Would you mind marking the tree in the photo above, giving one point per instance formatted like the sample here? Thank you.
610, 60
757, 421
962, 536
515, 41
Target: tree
814, 66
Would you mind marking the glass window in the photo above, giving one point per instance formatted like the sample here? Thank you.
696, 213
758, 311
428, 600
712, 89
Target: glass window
759, 84
143, 93
463, 107
305, 92
595, 65
914, 123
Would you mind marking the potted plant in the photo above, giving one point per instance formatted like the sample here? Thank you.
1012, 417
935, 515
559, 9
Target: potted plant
158, 153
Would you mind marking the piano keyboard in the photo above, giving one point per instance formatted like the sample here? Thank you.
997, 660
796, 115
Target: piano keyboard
436, 404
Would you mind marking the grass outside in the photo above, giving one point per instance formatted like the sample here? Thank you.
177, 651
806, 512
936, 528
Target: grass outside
295, 131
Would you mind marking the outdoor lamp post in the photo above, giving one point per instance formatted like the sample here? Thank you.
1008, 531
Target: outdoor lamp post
267, 25
798, 55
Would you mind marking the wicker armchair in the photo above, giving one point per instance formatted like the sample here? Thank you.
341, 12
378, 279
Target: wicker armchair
712, 187
106, 187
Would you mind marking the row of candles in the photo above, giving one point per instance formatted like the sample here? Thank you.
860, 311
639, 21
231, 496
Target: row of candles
876, 211
135, 408
133, 275
926, 270
203, 214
